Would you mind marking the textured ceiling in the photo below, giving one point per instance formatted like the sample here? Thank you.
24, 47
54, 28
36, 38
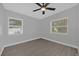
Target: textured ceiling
27, 9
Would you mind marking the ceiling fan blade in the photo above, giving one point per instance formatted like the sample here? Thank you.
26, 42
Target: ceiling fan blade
51, 8
43, 12
47, 4
38, 4
42, 4
36, 9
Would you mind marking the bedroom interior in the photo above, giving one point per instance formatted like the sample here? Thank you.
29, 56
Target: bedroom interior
39, 29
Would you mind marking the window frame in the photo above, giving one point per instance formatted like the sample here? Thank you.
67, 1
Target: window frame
15, 19
58, 26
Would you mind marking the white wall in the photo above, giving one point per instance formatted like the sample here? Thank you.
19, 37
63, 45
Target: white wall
30, 26
40, 28
72, 37
1, 24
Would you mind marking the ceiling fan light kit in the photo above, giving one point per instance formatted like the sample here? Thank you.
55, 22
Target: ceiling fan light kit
43, 7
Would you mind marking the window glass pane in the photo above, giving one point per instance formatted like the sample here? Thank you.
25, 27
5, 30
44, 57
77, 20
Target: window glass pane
15, 26
62, 22
14, 22
60, 29
60, 26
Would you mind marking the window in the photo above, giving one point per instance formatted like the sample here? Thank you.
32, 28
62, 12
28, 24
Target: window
59, 26
15, 26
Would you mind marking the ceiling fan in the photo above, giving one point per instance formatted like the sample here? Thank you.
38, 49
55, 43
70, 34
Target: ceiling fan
43, 7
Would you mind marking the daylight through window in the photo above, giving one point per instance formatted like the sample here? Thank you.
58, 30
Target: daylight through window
60, 26
15, 26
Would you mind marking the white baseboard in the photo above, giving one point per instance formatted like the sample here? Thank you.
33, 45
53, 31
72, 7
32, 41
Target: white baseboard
1, 50
61, 43
42, 38
20, 42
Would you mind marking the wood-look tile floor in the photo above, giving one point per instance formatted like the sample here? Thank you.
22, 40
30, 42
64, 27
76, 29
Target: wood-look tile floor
39, 47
